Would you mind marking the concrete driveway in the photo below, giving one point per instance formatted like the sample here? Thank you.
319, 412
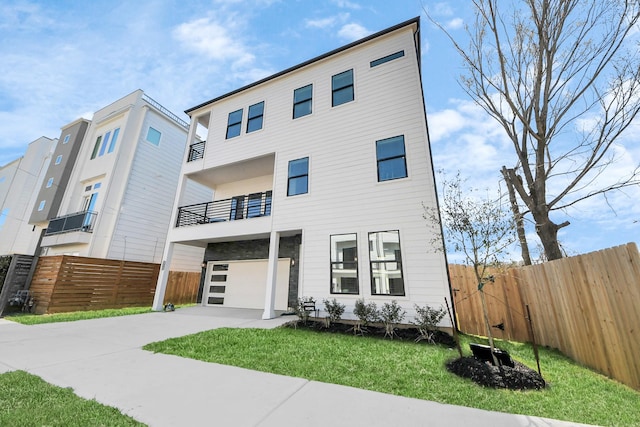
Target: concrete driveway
102, 359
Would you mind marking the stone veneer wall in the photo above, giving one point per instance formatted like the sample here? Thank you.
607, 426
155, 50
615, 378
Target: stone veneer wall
258, 249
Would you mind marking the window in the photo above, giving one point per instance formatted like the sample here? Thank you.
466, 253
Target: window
255, 115
342, 88
392, 163
234, 124
97, 185
59, 159
386, 263
387, 58
298, 182
3, 216
103, 147
302, 101
96, 147
66, 138
267, 203
153, 136
344, 264
41, 205
112, 146
49, 182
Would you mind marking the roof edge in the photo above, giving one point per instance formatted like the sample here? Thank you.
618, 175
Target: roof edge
406, 23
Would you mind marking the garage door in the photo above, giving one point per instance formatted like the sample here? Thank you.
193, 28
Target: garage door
243, 284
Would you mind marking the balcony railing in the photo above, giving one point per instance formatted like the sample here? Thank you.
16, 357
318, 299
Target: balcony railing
80, 221
239, 207
196, 151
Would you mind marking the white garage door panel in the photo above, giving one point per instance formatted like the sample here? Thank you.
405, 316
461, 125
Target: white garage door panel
246, 284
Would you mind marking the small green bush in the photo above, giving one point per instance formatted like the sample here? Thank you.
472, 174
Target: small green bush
334, 309
427, 320
391, 314
303, 314
366, 313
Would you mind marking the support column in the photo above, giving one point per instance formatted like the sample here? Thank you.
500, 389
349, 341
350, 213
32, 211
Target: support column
272, 277
163, 277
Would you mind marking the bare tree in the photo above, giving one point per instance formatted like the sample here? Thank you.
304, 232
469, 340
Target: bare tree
563, 79
479, 228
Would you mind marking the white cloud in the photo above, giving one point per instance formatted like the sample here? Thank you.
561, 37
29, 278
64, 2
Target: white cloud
321, 23
347, 4
353, 32
454, 24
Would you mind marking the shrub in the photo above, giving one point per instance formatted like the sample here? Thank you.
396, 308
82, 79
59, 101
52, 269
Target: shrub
334, 310
391, 314
366, 313
300, 310
427, 320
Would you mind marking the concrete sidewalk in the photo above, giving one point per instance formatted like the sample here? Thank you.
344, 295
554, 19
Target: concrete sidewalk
102, 359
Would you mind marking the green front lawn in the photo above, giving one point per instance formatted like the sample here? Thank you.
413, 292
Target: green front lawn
27, 400
36, 319
413, 370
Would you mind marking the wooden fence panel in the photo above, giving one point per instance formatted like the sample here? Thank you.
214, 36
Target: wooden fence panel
182, 287
585, 306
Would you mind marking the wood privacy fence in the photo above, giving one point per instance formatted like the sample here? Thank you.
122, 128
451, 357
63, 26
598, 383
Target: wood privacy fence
69, 283
585, 306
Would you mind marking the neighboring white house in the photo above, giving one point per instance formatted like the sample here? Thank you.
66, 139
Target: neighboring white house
117, 201
19, 182
319, 173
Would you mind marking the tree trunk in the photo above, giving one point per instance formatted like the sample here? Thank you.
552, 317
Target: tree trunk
508, 175
548, 233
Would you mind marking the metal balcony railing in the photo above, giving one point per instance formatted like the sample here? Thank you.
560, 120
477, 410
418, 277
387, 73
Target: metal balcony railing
79, 221
239, 207
196, 151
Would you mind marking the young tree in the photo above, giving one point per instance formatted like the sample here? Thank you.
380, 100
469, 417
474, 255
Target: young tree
562, 77
479, 228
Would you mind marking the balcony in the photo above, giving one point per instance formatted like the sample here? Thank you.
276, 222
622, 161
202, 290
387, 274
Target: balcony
196, 151
253, 205
80, 221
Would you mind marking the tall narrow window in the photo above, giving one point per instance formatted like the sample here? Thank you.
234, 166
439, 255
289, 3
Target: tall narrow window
41, 205
103, 147
254, 205
153, 136
3, 216
302, 98
96, 147
298, 182
386, 263
342, 88
49, 182
267, 203
66, 138
234, 124
392, 162
344, 264
237, 208
114, 138
59, 159
254, 117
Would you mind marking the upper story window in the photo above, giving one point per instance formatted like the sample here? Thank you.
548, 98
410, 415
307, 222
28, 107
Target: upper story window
103, 147
255, 116
298, 182
344, 264
386, 263
234, 123
59, 159
342, 88
3, 216
66, 138
41, 205
302, 98
392, 162
387, 58
153, 136
49, 182
96, 147
114, 138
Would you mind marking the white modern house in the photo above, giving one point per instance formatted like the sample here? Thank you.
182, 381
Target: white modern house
119, 189
19, 183
319, 174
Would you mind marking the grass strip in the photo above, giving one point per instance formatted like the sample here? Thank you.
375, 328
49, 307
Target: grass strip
413, 370
36, 319
26, 400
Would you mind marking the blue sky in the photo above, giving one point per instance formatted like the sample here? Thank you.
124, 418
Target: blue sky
65, 59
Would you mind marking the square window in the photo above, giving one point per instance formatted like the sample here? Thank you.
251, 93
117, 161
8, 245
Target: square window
153, 136
385, 262
66, 138
59, 159
298, 182
391, 158
342, 88
255, 115
234, 124
302, 99
49, 182
344, 264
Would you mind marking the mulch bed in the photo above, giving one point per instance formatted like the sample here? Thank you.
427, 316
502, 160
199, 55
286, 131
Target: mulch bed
520, 377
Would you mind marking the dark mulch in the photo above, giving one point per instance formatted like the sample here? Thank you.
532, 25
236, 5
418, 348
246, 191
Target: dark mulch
520, 377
